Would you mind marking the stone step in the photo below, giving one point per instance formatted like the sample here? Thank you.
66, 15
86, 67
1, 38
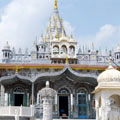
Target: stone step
12, 118
70, 119
74, 119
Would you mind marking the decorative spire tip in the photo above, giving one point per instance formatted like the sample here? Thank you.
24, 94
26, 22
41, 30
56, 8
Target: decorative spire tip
56, 4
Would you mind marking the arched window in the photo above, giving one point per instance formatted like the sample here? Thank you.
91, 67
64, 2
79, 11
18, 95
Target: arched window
82, 96
56, 49
115, 99
72, 50
64, 49
5, 54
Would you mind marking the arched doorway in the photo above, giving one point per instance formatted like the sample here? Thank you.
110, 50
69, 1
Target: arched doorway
20, 96
64, 102
82, 99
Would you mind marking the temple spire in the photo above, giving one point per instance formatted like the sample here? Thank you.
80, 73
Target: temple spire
56, 4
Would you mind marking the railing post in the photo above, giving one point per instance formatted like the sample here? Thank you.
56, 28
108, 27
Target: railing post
2, 95
9, 108
32, 110
21, 110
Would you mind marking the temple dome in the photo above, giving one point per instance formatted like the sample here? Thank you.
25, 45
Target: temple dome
109, 75
7, 47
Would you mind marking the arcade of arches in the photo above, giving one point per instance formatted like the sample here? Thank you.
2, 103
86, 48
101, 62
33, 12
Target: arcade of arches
73, 99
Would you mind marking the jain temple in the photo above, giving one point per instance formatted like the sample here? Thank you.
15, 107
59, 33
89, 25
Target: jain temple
86, 82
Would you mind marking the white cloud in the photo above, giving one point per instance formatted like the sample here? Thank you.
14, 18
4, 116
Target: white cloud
23, 20
108, 36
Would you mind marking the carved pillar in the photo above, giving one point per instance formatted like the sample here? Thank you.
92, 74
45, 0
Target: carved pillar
47, 95
2, 95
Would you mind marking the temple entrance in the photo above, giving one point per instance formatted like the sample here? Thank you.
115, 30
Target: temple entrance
63, 105
19, 96
18, 99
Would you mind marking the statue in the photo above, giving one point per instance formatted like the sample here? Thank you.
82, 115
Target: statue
112, 111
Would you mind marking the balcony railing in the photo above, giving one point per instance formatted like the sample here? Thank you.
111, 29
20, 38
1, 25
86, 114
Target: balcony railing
17, 111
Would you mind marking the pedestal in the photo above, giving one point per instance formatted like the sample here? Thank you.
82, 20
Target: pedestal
47, 108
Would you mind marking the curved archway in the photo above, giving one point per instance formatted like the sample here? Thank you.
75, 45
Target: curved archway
64, 90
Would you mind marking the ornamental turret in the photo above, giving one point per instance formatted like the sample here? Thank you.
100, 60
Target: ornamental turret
7, 53
108, 89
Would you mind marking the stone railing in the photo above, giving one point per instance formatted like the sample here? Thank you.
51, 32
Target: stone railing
17, 111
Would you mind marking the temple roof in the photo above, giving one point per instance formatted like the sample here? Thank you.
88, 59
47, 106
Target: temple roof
15, 78
67, 71
70, 74
54, 66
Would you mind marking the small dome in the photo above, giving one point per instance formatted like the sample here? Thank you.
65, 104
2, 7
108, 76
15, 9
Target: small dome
109, 75
7, 47
117, 49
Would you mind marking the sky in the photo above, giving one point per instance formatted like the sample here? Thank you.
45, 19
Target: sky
90, 21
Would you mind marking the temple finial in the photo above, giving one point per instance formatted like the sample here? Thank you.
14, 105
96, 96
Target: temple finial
56, 4
92, 46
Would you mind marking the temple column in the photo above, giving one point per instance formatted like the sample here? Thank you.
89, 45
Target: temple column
6, 99
38, 98
27, 99
56, 103
2, 95
71, 104
32, 93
